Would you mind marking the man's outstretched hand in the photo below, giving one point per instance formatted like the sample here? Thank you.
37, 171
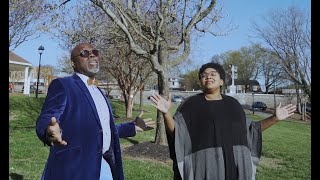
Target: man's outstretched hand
54, 135
285, 111
140, 124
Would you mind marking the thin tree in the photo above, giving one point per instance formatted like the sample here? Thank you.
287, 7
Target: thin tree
130, 71
287, 32
26, 18
91, 25
160, 31
271, 70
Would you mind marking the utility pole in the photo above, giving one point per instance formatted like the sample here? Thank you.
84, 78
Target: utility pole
274, 94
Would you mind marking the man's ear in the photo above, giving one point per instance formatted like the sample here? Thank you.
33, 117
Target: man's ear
72, 64
221, 82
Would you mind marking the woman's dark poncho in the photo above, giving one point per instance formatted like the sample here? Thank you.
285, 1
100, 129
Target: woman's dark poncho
215, 140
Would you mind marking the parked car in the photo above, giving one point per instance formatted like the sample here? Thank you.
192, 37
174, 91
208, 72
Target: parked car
176, 98
259, 105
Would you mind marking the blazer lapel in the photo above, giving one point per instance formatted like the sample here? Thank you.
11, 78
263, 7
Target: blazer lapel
86, 92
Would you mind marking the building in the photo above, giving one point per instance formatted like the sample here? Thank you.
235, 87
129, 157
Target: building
175, 83
20, 72
252, 85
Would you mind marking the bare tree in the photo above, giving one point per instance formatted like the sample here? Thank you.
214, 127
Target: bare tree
26, 17
160, 31
92, 25
287, 32
47, 72
271, 70
64, 65
130, 71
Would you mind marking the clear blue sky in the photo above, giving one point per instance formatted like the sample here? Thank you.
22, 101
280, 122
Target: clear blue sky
242, 13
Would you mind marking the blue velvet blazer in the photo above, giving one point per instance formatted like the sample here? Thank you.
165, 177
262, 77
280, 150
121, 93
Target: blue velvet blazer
70, 102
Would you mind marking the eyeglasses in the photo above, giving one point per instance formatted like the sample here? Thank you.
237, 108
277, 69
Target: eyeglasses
212, 73
86, 53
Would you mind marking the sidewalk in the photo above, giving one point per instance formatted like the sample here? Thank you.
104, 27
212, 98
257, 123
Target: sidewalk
258, 113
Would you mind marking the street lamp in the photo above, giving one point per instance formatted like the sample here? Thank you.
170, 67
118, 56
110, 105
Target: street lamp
40, 49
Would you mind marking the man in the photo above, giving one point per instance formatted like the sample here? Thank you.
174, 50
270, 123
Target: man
210, 137
76, 122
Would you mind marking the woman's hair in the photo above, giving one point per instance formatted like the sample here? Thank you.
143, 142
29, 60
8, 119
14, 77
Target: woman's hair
215, 66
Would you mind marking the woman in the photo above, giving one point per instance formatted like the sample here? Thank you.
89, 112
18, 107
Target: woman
209, 136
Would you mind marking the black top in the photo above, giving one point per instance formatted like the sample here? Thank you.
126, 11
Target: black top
215, 123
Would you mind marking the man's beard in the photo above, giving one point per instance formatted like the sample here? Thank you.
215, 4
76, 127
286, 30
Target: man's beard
93, 70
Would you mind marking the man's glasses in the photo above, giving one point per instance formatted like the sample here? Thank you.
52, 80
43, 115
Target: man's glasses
212, 73
86, 53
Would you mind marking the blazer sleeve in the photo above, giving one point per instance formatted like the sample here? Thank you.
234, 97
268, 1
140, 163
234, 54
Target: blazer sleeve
54, 105
127, 129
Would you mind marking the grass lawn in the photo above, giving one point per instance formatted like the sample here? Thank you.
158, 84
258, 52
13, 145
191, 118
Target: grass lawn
286, 152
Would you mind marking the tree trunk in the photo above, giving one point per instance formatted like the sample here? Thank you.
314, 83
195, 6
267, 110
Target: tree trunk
298, 98
129, 107
128, 102
141, 98
161, 138
163, 87
303, 111
306, 88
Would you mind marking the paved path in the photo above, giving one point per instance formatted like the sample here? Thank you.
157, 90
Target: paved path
258, 113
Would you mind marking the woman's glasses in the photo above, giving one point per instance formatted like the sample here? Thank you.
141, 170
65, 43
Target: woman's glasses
86, 53
212, 73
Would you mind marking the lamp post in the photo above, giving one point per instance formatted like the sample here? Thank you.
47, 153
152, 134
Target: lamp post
40, 49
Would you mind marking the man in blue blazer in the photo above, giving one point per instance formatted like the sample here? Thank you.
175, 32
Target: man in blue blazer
76, 122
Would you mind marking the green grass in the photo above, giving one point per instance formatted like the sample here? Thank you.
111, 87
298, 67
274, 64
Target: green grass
286, 152
290, 144
146, 169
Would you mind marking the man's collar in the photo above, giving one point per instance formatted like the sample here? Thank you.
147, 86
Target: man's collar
88, 81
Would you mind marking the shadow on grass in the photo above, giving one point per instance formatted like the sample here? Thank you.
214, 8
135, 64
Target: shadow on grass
15, 176
22, 127
132, 141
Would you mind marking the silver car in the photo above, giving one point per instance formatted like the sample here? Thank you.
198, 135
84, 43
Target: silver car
177, 99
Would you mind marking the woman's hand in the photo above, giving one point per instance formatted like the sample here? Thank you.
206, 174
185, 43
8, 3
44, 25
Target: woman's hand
161, 103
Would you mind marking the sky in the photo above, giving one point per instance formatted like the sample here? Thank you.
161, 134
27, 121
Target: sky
242, 13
